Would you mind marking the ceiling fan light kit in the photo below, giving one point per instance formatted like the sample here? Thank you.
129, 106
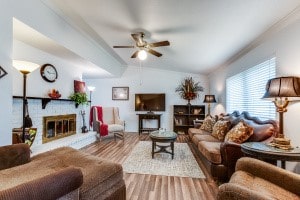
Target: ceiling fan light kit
142, 55
144, 46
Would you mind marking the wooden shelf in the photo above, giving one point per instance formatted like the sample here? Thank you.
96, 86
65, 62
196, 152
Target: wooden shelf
184, 116
46, 100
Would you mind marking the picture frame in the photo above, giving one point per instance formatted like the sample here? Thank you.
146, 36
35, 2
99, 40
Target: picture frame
120, 93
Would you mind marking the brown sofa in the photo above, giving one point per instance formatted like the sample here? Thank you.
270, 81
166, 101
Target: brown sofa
57, 174
258, 180
220, 157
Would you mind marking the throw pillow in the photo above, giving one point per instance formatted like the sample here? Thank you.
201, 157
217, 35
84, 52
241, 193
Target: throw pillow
208, 123
239, 133
220, 129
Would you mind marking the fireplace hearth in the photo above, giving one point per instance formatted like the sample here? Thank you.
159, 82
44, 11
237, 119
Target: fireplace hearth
58, 126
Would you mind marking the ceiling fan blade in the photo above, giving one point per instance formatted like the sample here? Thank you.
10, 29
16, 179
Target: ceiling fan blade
159, 44
123, 46
154, 52
134, 55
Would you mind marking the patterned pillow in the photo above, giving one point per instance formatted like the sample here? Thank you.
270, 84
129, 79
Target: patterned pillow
239, 133
220, 129
208, 123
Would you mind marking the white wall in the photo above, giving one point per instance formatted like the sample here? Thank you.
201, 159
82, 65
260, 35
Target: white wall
36, 85
285, 45
6, 81
149, 81
37, 15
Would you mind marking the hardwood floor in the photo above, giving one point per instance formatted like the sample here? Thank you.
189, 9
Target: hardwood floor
144, 186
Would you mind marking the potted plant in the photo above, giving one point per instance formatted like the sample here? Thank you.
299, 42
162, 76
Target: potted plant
79, 98
188, 89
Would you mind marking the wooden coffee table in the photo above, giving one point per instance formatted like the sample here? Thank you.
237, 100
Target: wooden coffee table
163, 137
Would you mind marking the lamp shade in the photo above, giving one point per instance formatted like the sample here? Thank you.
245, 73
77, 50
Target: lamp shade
283, 87
91, 88
24, 66
209, 99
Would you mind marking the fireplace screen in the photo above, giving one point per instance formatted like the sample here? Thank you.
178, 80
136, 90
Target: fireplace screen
59, 126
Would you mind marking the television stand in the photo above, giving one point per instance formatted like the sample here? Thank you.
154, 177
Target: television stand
148, 116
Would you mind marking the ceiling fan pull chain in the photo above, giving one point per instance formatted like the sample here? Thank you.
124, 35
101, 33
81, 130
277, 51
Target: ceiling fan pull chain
140, 73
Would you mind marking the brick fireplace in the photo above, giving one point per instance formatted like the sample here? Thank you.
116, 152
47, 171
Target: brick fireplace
58, 126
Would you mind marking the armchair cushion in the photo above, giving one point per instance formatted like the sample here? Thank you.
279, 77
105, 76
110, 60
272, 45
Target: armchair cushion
255, 179
261, 186
115, 128
14, 155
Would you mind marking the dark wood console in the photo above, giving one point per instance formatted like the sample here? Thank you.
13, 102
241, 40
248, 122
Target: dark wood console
148, 116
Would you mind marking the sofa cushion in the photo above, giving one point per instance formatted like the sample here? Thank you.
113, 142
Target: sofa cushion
261, 186
208, 138
197, 131
211, 151
239, 133
220, 129
208, 123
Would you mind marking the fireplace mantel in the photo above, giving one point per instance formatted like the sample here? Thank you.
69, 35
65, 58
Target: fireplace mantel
45, 100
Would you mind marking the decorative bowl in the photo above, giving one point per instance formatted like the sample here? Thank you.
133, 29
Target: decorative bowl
54, 95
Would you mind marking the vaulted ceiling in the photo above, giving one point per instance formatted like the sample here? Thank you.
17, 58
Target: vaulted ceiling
204, 34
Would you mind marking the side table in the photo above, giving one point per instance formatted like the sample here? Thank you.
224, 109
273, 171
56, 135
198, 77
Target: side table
262, 151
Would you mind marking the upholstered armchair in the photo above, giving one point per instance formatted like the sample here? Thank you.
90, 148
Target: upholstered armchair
110, 116
258, 180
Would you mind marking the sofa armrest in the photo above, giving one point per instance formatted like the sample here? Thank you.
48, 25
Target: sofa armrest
48, 187
283, 178
14, 155
229, 191
230, 153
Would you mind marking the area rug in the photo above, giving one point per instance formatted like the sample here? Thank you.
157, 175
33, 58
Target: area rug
183, 165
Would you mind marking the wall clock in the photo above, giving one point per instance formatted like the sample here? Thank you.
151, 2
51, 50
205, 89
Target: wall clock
48, 73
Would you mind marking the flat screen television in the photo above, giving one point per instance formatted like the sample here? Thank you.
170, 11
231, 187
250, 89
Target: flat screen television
150, 102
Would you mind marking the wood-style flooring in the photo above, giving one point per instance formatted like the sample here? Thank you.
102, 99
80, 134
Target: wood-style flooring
154, 187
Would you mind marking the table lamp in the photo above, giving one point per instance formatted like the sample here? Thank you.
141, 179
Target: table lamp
25, 68
281, 91
209, 99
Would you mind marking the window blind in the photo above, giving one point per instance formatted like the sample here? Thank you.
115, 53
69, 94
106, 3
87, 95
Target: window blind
244, 91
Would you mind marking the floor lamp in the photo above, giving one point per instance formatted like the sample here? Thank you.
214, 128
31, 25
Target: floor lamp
91, 89
209, 99
281, 91
25, 68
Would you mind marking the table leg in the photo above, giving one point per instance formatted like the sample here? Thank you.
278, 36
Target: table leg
172, 148
153, 145
283, 164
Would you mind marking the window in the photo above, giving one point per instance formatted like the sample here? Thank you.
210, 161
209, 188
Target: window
244, 91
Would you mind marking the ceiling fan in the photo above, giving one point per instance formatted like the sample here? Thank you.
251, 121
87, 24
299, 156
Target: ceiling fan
141, 44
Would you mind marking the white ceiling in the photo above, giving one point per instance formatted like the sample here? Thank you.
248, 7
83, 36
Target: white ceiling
204, 34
